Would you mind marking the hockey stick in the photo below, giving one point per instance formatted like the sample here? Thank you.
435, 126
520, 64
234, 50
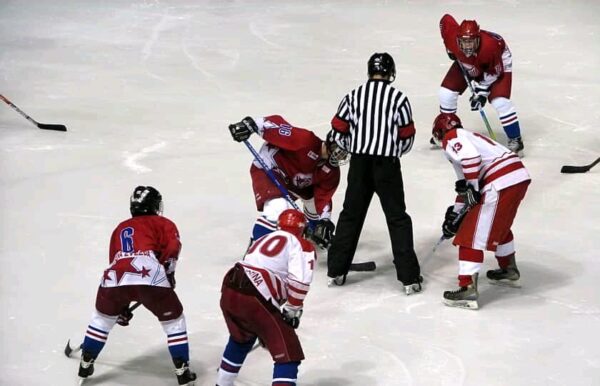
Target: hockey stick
44, 126
458, 218
366, 266
578, 169
481, 112
70, 350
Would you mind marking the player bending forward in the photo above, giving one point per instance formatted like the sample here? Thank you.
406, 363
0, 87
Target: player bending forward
487, 60
492, 182
262, 297
306, 165
143, 253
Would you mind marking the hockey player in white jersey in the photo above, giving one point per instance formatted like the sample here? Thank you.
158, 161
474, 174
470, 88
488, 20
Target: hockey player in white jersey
262, 298
492, 182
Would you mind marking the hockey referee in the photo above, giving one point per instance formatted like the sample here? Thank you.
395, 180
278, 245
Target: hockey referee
375, 121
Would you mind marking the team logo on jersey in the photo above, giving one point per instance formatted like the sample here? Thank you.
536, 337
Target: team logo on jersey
285, 130
471, 69
312, 155
302, 180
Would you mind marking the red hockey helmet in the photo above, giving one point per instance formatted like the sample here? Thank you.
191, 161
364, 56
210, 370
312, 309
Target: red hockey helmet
444, 123
292, 221
469, 36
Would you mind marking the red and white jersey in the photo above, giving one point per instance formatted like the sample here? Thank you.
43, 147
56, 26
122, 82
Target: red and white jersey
492, 59
295, 155
280, 266
139, 248
483, 162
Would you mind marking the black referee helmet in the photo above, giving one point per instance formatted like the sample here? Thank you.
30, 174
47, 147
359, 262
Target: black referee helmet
382, 64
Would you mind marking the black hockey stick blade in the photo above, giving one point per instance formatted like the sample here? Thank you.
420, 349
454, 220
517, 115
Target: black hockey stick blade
367, 266
46, 126
578, 169
69, 350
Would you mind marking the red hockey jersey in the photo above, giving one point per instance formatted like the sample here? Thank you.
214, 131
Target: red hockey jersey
488, 60
140, 247
294, 154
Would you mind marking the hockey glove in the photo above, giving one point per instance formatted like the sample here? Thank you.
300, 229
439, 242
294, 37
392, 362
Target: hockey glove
291, 315
470, 196
451, 223
479, 97
241, 131
323, 233
451, 55
124, 317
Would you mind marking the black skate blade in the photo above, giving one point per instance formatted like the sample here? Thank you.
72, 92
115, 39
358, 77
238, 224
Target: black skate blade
466, 304
506, 283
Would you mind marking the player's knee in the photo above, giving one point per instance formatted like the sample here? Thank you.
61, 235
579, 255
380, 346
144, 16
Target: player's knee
503, 105
102, 321
174, 326
448, 100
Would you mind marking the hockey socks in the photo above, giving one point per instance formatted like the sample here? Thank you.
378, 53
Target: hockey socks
177, 339
232, 361
469, 261
285, 374
97, 333
262, 226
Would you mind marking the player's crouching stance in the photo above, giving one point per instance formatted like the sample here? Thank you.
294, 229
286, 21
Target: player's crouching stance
262, 297
492, 182
305, 165
143, 253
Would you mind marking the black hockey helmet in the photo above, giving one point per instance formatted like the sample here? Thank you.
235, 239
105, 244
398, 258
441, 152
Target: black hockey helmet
145, 200
382, 64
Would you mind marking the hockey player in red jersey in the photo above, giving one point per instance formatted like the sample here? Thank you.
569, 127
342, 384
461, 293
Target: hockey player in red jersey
262, 298
488, 62
306, 165
492, 182
143, 253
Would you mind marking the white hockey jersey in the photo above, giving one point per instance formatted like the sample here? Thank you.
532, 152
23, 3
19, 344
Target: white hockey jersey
483, 162
281, 267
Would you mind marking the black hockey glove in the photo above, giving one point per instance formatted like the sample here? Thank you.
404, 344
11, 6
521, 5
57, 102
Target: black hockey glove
451, 55
451, 224
479, 97
470, 196
291, 316
124, 317
241, 131
323, 233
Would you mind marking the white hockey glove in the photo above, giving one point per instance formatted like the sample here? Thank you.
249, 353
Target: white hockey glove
291, 315
479, 97
242, 130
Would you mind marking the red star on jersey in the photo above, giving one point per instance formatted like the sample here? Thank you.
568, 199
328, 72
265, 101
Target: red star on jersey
145, 272
123, 266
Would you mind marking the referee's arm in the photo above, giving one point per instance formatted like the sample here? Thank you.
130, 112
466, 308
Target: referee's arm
406, 126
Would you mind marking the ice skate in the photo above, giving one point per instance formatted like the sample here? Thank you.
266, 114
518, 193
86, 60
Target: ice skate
516, 146
86, 367
433, 144
184, 375
464, 297
507, 277
336, 281
414, 288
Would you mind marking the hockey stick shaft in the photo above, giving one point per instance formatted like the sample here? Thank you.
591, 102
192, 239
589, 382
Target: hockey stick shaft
36, 123
579, 169
481, 112
269, 172
365, 266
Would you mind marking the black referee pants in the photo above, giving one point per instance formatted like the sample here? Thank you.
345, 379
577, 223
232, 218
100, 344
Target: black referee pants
367, 175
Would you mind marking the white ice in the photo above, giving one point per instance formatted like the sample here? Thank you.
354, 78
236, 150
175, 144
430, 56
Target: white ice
147, 89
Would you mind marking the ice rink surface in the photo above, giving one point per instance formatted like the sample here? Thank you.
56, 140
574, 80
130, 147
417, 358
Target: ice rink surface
147, 89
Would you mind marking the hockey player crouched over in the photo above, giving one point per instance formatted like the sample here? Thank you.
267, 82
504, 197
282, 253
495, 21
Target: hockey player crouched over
492, 182
262, 298
305, 165
143, 253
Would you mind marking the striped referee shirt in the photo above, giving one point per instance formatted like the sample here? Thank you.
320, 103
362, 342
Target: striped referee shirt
375, 119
